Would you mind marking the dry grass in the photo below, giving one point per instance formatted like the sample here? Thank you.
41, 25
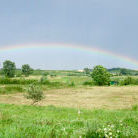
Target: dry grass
90, 97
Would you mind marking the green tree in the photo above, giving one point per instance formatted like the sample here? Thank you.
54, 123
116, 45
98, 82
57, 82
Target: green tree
100, 75
124, 71
26, 70
9, 68
87, 71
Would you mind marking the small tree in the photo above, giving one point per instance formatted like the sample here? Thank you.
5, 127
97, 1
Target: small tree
34, 93
87, 71
9, 68
26, 70
100, 75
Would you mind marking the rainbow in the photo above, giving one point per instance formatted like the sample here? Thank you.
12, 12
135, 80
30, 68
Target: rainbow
73, 46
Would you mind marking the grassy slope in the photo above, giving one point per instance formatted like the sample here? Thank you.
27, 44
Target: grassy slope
34, 121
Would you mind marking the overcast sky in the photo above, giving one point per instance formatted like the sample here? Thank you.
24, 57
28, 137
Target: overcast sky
107, 24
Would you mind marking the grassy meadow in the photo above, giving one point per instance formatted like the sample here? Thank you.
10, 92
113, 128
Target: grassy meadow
73, 107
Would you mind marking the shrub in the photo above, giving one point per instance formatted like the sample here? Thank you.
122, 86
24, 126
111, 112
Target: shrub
135, 107
34, 93
53, 75
45, 74
4, 80
11, 89
18, 74
129, 81
88, 83
72, 84
44, 80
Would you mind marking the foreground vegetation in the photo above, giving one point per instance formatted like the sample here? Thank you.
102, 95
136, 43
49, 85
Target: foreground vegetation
110, 95
36, 121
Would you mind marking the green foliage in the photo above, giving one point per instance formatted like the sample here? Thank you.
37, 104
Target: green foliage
129, 81
44, 80
100, 75
26, 70
9, 68
123, 71
45, 74
18, 74
11, 89
4, 80
135, 107
34, 93
47, 122
71, 84
87, 71
90, 83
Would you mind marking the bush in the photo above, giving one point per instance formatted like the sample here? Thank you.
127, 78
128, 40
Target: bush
135, 107
72, 84
129, 81
44, 80
4, 80
18, 74
45, 73
34, 93
11, 89
88, 83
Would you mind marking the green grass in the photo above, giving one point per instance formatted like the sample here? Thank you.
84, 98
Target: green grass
46, 122
10, 89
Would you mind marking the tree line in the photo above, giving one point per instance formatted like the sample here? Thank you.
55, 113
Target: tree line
9, 69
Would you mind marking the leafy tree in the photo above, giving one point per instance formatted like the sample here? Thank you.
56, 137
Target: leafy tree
9, 68
34, 93
87, 71
100, 75
26, 70
124, 71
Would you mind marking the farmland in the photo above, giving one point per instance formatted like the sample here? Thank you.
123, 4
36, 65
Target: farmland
73, 107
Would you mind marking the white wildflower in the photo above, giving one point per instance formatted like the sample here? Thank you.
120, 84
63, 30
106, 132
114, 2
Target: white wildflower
79, 112
105, 129
106, 135
112, 126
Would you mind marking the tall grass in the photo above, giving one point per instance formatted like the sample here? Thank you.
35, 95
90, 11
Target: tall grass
11, 89
4, 80
30, 121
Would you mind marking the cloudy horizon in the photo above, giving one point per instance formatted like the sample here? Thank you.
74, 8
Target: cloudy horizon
107, 25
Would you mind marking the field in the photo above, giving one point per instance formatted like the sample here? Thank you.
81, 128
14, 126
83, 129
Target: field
88, 97
73, 107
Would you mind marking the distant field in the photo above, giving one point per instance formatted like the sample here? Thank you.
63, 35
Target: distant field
88, 97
